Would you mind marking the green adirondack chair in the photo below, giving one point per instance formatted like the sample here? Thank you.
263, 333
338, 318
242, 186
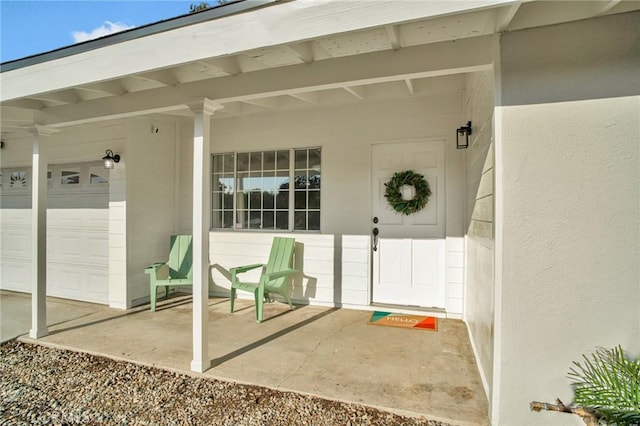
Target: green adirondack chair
178, 270
274, 279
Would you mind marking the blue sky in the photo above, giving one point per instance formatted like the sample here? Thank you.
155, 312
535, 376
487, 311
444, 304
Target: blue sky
28, 27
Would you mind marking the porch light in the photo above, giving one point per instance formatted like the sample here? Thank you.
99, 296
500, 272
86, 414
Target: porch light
463, 131
110, 159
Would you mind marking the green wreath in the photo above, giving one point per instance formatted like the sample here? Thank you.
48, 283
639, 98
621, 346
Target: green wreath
394, 196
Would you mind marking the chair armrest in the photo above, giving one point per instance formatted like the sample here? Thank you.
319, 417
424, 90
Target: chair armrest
157, 271
153, 268
279, 274
241, 269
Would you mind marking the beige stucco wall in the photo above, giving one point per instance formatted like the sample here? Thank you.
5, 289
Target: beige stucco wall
568, 149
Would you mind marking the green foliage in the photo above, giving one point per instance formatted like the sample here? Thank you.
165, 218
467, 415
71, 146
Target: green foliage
394, 196
193, 8
609, 384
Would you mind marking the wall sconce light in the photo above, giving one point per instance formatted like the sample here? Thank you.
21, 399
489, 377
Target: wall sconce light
463, 131
110, 159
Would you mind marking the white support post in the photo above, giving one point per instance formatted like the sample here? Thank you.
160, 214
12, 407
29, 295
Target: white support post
39, 231
203, 110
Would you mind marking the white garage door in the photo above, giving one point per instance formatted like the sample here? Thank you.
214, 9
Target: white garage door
77, 231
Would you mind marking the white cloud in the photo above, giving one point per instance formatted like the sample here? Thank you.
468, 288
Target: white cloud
103, 30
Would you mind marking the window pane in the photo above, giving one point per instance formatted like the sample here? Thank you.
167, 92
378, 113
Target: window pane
218, 161
300, 220
314, 199
70, 177
282, 200
301, 159
256, 161
228, 163
255, 201
242, 200
18, 180
314, 159
300, 180
49, 179
269, 181
301, 200
314, 179
228, 201
95, 179
314, 221
242, 181
268, 200
223, 183
268, 220
227, 219
254, 220
242, 217
270, 160
216, 200
283, 160
282, 220
243, 162
216, 219
282, 180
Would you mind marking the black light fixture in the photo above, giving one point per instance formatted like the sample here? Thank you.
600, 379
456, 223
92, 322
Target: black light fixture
110, 159
463, 131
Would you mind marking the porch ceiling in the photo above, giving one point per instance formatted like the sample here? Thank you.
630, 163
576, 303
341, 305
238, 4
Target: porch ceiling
322, 71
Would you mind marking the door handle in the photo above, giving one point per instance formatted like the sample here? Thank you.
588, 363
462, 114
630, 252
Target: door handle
375, 239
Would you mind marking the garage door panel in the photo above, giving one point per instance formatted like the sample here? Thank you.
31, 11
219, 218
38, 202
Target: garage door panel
16, 275
77, 240
16, 241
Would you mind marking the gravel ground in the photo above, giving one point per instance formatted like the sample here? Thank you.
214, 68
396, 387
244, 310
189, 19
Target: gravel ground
40, 385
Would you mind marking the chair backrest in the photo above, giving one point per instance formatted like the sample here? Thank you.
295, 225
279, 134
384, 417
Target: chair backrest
280, 258
181, 257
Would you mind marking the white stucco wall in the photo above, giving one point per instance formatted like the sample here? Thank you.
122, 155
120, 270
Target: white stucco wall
568, 146
345, 133
479, 289
150, 195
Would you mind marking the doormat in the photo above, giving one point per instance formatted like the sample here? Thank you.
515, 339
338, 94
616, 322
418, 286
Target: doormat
419, 322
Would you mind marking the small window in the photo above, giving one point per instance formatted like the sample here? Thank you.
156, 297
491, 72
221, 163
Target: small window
49, 179
70, 176
253, 190
98, 176
18, 179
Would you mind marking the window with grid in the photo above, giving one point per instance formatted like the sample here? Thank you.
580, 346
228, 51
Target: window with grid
253, 190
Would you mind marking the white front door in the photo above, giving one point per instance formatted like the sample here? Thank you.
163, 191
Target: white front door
409, 257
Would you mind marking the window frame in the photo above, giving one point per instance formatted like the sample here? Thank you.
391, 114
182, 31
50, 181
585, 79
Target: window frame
291, 210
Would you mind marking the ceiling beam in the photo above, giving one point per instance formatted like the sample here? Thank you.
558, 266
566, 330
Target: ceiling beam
268, 103
394, 36
113, 88
311, 97
166, 77
358, 92
602, 7
227, 64
504, 16
302, 51
410, 87
63, 97
436, 59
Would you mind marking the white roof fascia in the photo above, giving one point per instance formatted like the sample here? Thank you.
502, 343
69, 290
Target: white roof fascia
287, 22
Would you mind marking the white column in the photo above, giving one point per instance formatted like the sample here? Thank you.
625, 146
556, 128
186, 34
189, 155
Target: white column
202, 110
39, 230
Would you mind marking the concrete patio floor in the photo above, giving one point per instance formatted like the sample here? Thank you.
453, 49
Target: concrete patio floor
326, 352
